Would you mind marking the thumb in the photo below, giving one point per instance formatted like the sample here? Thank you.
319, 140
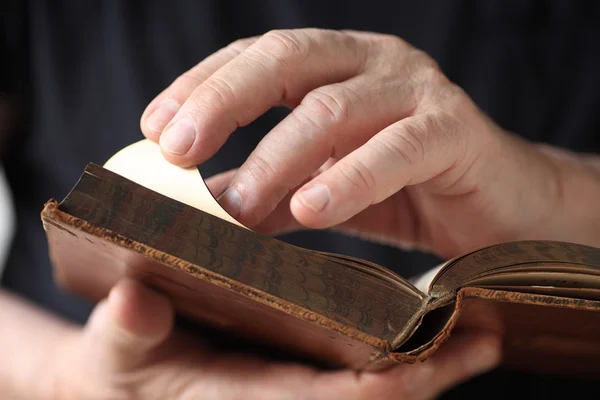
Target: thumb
131, 322
460, 359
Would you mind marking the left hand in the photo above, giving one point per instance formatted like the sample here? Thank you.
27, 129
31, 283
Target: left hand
129, 350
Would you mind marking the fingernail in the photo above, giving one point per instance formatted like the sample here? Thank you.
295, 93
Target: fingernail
316, 197
484, 358
231, 201
179, 138
157, 121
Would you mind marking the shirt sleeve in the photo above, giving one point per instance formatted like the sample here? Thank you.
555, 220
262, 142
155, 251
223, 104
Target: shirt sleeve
11, 49
7, 220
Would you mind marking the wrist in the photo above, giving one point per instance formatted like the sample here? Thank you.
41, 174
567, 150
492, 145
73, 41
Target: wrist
548, 193
575, 216
527, 186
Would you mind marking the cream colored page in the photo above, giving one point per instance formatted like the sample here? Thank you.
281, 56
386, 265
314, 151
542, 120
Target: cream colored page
143, 163
423, 282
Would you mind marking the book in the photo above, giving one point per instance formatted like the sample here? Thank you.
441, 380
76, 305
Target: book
140, 216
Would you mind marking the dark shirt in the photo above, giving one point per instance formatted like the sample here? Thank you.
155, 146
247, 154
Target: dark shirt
82, 73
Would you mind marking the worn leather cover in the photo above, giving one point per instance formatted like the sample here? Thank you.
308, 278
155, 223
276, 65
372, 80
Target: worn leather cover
89, 260
542, 334
330, 308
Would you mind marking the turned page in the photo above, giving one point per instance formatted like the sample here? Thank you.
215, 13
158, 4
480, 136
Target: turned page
143, 163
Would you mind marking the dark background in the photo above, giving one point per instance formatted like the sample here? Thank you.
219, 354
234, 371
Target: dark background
81, 73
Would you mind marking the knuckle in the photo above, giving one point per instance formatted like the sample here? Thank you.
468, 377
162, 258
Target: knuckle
386, 53
431, 75
424, 59
456, 96
394, 49
409, 144
210, 101
304, 118
214, 92
285, 46
260, 168
286, 41
198, 104
394, 42
328, 105
411, 147
189, 78
425, 70
358, 176
238, 46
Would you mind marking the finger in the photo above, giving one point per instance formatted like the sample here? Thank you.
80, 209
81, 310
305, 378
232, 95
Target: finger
461, 358
279, 221
378, 223
164, 106
389, 222
219, 182
131, 322
330, 121
411, 151
280, 67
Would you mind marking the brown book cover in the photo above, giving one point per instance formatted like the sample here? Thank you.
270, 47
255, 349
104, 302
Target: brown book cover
542, 297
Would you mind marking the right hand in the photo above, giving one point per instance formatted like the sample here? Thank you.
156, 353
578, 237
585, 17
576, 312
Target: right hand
379, 143
128, 350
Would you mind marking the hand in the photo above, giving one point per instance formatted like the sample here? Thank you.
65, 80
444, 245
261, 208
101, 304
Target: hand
128, 351
379, 143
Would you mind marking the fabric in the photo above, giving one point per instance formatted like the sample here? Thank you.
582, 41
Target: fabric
7, 220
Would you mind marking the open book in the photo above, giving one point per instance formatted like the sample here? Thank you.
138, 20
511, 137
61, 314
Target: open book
142, 217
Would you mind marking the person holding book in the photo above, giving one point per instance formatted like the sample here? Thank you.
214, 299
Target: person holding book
380, 143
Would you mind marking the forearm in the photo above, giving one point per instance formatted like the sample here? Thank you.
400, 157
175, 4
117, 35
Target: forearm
28, 338
577, 217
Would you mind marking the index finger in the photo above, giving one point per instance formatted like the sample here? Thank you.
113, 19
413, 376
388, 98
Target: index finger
164, 106
280, 67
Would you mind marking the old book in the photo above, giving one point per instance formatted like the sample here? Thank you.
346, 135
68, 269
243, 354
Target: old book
140, 216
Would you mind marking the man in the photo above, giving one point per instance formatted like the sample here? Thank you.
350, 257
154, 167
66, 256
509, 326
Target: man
374, 120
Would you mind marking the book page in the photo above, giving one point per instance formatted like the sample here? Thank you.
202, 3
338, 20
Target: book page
490, 260
143, 163
423, 282
576, 293
539, 278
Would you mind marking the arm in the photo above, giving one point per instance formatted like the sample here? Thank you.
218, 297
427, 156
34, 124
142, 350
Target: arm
28, 339
578, 182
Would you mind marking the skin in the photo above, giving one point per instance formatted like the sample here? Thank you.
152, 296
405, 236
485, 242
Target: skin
128, 350
374, 120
